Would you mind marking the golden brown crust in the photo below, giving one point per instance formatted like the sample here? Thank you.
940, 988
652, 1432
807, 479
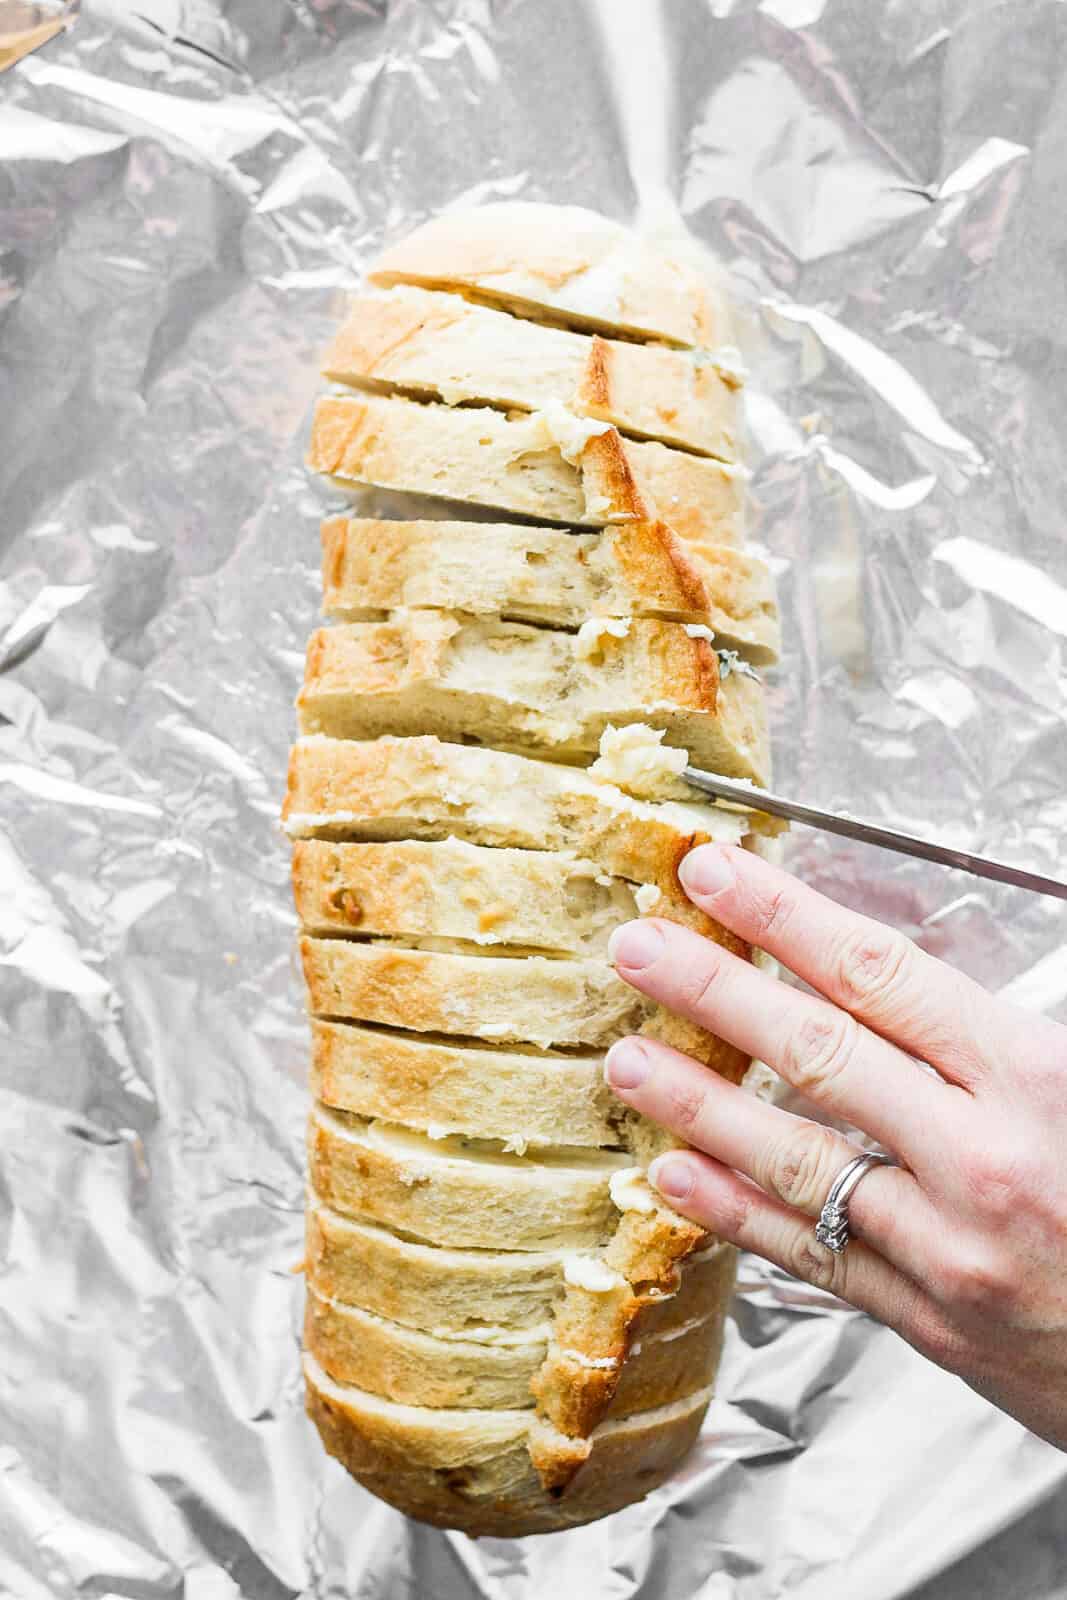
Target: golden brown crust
654, 558
646, 1252
335, 533
608, 464
699, 498
595, 391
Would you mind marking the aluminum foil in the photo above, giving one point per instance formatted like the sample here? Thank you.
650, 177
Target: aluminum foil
188, 189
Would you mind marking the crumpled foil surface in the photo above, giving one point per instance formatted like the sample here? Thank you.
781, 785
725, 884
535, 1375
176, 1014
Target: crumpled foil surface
188, 188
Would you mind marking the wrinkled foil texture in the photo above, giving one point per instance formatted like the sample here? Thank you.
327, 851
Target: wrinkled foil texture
187, 191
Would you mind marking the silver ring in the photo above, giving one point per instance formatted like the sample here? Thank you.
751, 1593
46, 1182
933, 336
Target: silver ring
832, 1226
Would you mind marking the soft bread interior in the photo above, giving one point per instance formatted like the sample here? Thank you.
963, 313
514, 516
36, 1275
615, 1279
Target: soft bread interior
524, 1096
525, 463
537, 689
455, 890
462, 1192
424, 787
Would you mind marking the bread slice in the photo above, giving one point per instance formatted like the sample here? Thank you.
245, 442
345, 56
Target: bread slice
453, 890
548, 464
494, 1370
474, 1470
533, 688
527, 999
463, 1192
424, 788
436, 1287
562, 263
453, 896
525, 1097
467, 1293
440, 346
547, 576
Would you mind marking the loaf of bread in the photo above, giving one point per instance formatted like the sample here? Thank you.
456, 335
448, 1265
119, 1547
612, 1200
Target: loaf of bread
507, 1331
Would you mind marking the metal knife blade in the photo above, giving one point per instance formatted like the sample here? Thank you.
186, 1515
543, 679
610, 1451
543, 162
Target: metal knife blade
871, 833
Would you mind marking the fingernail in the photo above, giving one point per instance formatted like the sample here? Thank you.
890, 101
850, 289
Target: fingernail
672, 1176
626, 1065
706, 870
635, 945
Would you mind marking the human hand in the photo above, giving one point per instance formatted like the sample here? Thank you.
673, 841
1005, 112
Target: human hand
962, 1248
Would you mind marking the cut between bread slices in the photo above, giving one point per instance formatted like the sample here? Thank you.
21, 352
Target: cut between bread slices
508, 1330
484, 1471
440, 346
563, 263
549, 464
534, 688
545, 575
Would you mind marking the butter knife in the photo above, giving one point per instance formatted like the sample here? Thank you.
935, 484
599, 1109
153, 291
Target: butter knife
908, 844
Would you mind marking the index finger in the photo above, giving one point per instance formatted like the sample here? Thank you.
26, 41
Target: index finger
873, 972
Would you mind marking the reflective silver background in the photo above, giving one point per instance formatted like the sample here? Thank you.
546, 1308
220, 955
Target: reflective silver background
186, 192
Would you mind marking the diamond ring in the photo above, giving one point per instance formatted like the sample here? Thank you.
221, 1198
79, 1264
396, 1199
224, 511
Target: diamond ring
832, 1226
